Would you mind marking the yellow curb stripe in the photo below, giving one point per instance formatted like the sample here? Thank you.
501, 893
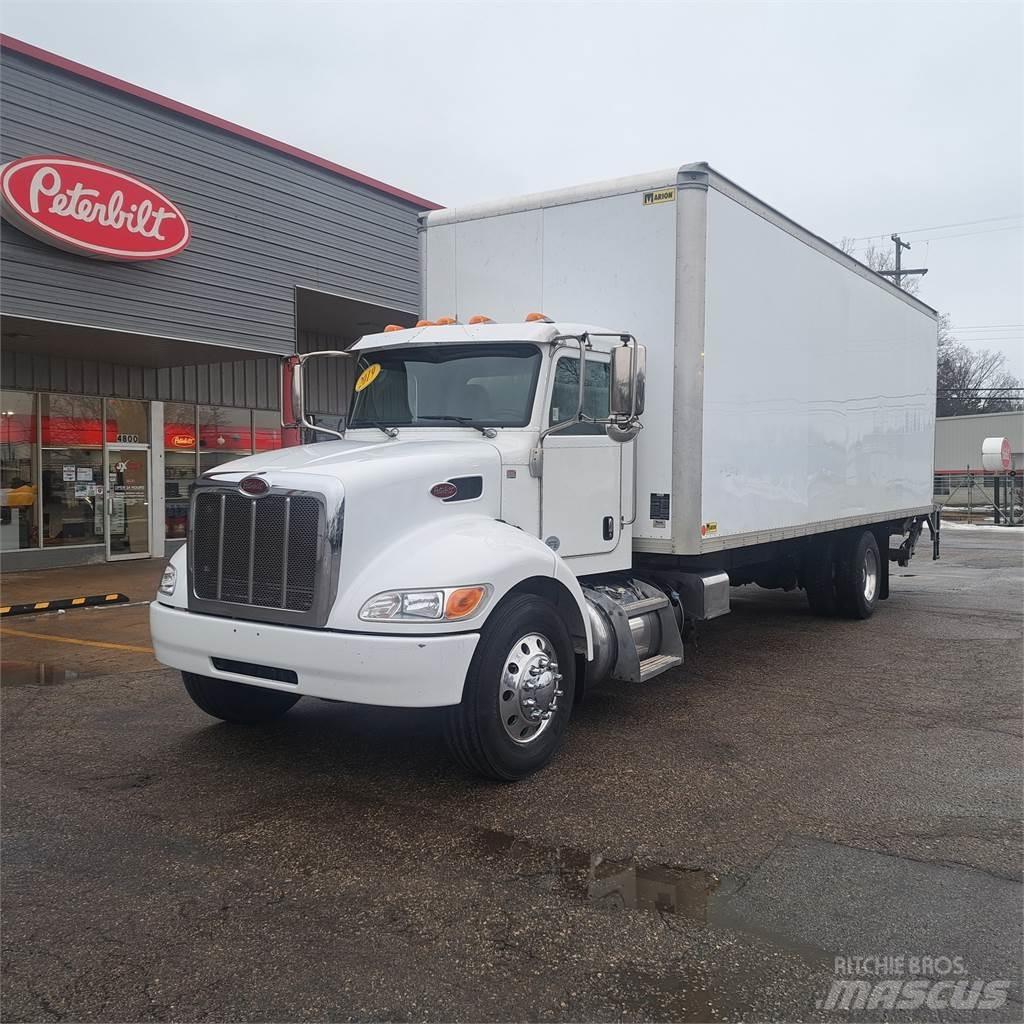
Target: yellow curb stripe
7, 631
111, 597
78, 600
41, 604
6, 608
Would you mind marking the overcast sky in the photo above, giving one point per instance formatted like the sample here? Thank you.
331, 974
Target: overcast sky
854, 118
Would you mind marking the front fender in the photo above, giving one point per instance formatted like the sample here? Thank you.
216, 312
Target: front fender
465, 550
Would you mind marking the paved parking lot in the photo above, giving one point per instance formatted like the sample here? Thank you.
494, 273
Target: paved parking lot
702, 849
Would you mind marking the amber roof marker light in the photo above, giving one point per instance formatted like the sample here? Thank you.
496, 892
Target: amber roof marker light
538, 318
480, 319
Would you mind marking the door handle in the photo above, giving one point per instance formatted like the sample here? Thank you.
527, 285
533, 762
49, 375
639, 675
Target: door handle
609, 528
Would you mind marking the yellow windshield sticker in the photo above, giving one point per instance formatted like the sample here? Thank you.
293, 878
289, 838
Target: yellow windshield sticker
367, 377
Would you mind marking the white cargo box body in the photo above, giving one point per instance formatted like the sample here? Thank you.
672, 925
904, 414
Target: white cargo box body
790, 390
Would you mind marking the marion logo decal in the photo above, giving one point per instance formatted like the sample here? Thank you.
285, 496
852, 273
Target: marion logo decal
90, 209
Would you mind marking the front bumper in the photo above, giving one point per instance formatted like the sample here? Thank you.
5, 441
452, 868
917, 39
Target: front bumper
360, 668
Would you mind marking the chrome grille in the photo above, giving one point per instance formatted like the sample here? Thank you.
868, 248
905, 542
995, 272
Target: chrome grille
265, 552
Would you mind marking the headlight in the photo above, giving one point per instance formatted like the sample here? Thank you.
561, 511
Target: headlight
436, 605
169, 581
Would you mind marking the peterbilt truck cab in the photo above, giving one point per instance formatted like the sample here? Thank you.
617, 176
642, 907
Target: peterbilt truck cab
465, 543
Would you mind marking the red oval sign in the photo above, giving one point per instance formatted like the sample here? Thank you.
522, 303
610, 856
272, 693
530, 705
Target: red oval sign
444, 491
89, 208
183, 441
254, 485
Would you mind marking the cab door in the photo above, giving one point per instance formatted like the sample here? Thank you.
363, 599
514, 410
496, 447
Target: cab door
581, 481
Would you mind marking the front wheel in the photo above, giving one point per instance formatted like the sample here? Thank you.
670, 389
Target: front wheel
237, 702
518, 693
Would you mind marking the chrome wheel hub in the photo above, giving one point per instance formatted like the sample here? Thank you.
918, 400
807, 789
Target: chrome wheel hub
530, 688
870, 575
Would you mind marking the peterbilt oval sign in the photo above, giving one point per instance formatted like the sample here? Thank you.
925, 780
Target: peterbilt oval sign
92, 209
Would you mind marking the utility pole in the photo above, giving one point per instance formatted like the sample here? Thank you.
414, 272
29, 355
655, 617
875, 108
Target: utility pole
898, 274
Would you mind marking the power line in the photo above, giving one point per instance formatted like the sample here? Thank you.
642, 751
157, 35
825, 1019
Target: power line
939, 238
940, 227
967, 234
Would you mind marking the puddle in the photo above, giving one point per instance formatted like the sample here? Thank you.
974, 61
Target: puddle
36, 673
612, 885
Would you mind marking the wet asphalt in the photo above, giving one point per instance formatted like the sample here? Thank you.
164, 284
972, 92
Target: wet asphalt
702, 849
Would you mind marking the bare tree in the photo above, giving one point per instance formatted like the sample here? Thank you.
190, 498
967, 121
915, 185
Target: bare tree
973, 380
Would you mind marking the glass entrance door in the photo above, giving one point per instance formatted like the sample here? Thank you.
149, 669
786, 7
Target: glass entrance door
127, 502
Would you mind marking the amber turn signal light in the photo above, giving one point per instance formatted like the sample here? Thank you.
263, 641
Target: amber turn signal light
463, 602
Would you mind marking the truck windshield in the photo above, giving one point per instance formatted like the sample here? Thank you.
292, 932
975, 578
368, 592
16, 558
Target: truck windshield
446, 385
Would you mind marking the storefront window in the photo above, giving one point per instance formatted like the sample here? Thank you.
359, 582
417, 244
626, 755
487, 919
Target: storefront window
127, 421
266, 432
72, 470
179, 465
224, 435
18, 471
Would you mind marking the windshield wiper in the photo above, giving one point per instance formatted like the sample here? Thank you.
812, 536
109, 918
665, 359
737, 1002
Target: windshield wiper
465, 421
390, 431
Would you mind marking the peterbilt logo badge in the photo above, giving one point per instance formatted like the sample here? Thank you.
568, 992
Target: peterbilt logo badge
444, 491
254, 486
91, 209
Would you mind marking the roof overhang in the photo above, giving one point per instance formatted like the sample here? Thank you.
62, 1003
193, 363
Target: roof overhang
124, 348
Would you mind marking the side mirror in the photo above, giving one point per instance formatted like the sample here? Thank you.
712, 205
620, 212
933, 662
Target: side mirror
628, 383
298, 411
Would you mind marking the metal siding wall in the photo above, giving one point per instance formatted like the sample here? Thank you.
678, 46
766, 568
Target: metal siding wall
263, 223
330, 380
958, 438
248, 384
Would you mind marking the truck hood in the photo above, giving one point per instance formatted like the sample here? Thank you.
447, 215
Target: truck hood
387, 481
343, 459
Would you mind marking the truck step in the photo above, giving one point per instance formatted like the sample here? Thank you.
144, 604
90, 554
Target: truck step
644, 605
651, 667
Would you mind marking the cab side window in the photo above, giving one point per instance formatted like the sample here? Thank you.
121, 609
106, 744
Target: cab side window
565, 393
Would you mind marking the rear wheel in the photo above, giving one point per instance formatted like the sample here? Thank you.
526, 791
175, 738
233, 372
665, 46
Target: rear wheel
237, 702
859, 575
518, 693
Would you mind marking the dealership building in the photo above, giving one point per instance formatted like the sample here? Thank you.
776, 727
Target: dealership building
157, 262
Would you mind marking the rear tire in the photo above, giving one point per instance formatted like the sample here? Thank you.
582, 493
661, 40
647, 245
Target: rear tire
858, 576
237, 702
524, 654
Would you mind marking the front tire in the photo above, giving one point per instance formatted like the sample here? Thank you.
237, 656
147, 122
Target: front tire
518, 693
237, 702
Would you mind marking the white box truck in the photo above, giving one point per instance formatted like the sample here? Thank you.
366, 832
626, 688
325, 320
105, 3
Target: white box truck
703, 395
